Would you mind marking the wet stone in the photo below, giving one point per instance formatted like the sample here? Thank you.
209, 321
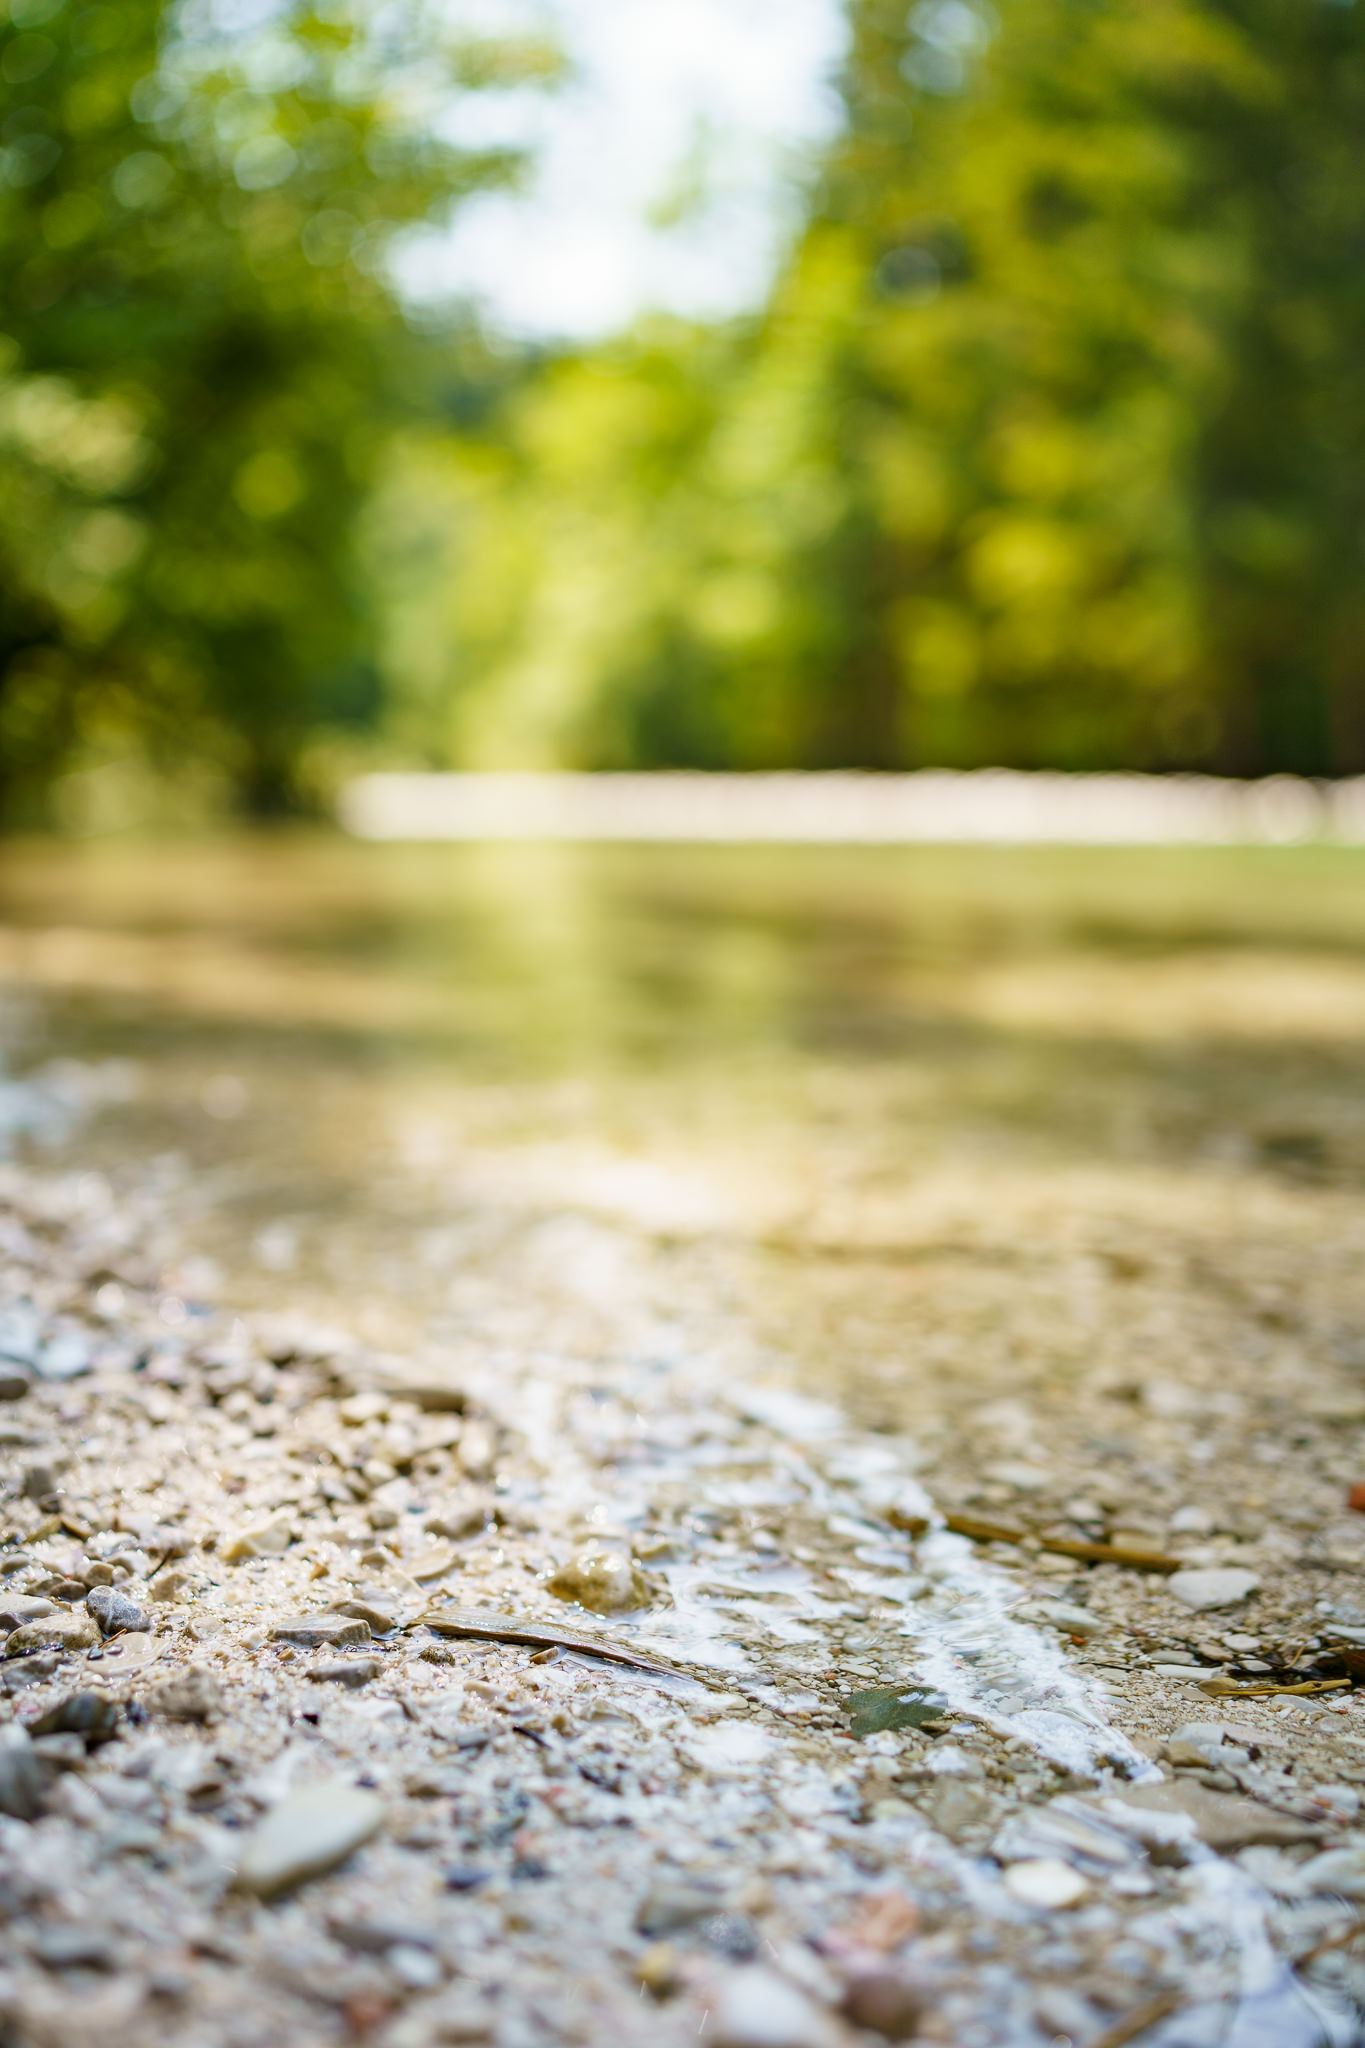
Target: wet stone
15, 1610
60, 1631
309, 1833
91, 1715
1225, 1821
602, 1581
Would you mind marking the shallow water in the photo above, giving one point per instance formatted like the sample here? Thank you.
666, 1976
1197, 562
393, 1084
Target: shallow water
919, 1126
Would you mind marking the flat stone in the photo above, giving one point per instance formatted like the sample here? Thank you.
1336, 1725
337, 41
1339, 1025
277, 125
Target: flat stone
602, 1581
115, 1612
1060, 1614
381, 1617
1047, 1883
757, 2009
17, 1608
54, 1632
40, 1480
322, 1632
1226, 1821
1336, 1870
262, 1539
306, 1835
352, 1672
191, 1695
1216, 1586
21, 1775
667, 1907
91, 1715
72, 1946
65, 1356
376, 1935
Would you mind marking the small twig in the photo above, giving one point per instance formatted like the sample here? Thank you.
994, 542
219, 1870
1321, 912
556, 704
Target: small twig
1330, 1942
1233, 1689
1136, 2023
1088, 1553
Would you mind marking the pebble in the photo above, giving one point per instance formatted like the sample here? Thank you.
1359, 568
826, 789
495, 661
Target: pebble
190, 1695
601, 1580
21, 1775
1336, 1870
265, 1539
1073, 1621
39, 1481
1045, 1882
54, 1632
14, 1381
307, 1834
15, 1610
115, 1612
352, 1672
1224, 1820
885, 2002
666, 1907
71, 1946
755, 2008
322, 1632
380, 1618
1216, 1586
66, 1356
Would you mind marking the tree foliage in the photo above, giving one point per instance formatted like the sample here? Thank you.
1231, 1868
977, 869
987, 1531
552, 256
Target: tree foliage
201, 354
1048, 449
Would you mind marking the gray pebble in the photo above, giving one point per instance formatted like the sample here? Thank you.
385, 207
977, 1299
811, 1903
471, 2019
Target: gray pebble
667, 1907
115, 1612
21, 1775
322, 1632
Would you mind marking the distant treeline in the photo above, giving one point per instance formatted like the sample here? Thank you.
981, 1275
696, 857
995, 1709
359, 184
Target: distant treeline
1048, 450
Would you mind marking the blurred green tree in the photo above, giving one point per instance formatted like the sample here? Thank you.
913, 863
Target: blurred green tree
201, 351
1047, 450
1101, 416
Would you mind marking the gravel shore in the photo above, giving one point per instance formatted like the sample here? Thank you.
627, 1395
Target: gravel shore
349, 1696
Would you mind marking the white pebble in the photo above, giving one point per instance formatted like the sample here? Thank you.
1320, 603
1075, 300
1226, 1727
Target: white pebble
1047, 1882
309, 1832
1216, 1587
757, 2009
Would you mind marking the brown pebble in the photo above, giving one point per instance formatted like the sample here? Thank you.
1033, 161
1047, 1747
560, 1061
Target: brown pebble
885, 2001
